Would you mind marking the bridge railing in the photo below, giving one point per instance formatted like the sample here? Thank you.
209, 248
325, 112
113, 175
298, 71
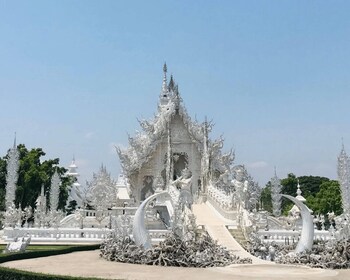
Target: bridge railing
290, 236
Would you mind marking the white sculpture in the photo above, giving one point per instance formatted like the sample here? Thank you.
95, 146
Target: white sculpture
181, 188
307, 231
140, 233
276, 189
11, 184
18, 245
241, 186
40, 213
102, 190
55, 191
344, 179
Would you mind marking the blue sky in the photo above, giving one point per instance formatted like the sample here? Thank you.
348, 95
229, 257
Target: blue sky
273, 75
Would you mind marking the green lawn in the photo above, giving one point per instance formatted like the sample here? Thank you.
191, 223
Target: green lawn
37, 251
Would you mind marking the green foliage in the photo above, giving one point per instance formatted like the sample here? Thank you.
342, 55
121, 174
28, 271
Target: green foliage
33, 173
310, 187
2, 183
71, 207
265, 198
328, 199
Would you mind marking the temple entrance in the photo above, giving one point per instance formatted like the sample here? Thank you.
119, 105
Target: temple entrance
180, 163
147, 189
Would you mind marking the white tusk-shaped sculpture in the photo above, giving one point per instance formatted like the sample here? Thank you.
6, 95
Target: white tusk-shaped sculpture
139, 231
307, 231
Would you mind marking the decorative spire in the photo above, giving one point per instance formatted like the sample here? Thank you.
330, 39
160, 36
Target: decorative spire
165, 83
72, 169
171, 83
342, 146
276, 189
164, 94
55, 191
344, 178
14, 142
298, 190
299, 196
11, 175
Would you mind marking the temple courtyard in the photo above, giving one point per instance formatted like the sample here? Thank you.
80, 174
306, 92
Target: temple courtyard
89, 264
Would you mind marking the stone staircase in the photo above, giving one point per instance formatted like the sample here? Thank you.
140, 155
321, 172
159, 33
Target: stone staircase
239, 236
215, 225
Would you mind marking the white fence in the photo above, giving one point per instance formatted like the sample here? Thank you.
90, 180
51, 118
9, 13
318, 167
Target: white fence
86, 235
290, 236
57, 235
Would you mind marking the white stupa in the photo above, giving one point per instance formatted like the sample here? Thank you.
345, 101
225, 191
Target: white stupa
295, 209
75, 192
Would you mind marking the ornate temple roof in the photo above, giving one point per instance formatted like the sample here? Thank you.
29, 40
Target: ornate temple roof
144, 143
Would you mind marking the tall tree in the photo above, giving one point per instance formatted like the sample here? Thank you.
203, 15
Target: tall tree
2, 183
310, 186
33, 173
328, 199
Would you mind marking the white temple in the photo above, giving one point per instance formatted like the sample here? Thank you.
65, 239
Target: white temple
169, 144
172, 155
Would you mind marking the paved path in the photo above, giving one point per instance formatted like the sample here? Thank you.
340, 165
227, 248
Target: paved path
215, 225
89, 264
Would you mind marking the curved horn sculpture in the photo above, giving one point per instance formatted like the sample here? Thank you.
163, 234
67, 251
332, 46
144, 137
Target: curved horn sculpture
307, 231
139, 230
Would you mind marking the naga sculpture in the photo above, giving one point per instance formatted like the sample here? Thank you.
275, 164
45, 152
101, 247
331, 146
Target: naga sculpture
139, 231
307, 231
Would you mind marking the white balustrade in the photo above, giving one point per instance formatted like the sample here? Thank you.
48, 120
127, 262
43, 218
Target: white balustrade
69, 234
290, 236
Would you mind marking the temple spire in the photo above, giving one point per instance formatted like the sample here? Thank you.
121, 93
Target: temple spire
164, 94
165, 82
15, 141
171, 85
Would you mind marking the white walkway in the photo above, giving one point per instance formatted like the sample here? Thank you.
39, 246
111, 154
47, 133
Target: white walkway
215, 225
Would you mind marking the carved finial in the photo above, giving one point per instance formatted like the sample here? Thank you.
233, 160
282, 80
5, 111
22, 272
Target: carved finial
165, 83
15, 141
275, 171
298, 190
171, 83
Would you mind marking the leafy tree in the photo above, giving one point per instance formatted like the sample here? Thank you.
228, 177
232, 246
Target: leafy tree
328, 199
310, 187
72, 206
33, 173
2, 183
265, 198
